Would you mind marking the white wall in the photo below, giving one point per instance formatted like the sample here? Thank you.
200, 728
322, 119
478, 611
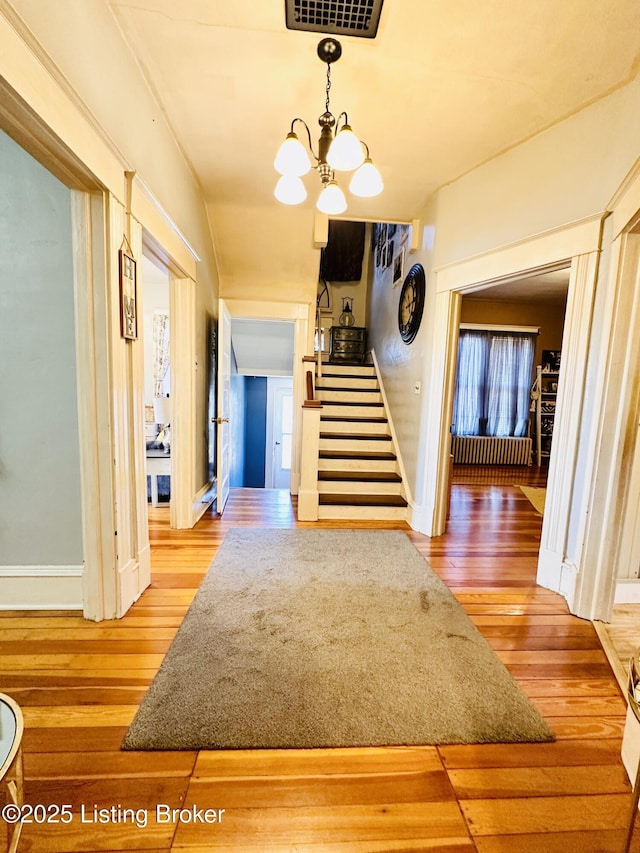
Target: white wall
560, 176
40, 510
402, 365
565, 174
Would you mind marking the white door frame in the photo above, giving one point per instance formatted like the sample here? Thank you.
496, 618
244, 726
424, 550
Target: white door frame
611, 540
577, 245
223, 408
275, 384
303, 315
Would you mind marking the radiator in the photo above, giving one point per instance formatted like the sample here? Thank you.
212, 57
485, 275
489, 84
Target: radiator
490, 450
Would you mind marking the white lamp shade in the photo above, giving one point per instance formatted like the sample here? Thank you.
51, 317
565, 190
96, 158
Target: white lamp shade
292, 157
290, 190
367, 181
162, 410
345, 152
331, 200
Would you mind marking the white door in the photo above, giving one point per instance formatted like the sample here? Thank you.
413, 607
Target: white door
224, 399
279, 433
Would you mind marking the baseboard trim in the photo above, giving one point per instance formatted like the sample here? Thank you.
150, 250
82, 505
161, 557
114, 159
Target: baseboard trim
420, 518
58, 587
202, 501
627, 591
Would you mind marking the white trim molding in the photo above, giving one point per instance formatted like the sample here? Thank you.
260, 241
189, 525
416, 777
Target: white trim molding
57, 587
523, 258
202, 501
627, 591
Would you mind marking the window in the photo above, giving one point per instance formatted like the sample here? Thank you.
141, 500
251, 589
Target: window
493, 383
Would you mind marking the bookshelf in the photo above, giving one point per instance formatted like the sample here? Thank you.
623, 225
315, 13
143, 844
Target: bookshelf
544, 394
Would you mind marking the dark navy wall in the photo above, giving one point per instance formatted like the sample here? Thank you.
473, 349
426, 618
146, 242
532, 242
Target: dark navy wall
255, 431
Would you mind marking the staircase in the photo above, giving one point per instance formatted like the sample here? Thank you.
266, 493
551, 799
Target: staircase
358, 471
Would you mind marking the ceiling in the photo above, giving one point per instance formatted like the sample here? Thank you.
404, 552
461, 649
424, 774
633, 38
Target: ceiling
442, 88
548, 287
263, 347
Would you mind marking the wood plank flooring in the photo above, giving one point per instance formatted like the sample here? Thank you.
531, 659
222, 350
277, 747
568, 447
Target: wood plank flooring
80, 684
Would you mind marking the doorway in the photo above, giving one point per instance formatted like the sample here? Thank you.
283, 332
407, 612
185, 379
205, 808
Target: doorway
532, 308
157, 382
261, 403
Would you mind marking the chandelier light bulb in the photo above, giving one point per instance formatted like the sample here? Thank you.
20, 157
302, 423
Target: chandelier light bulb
331, 200
367, 181
290, 190
345, 152
292, 157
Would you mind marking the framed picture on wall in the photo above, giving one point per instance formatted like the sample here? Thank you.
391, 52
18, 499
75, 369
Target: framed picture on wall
398, 267
128, 297
391, 249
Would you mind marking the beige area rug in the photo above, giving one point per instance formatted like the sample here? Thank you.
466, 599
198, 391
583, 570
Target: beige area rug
536, 496
328, 638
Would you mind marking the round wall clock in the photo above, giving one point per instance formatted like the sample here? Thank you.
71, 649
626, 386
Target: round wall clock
411, 303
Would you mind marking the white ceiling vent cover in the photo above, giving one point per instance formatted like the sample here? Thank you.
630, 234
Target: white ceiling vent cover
338, 17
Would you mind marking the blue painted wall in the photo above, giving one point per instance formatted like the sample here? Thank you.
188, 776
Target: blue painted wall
255, 431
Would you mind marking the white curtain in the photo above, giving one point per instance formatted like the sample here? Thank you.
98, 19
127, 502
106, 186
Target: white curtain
493, 383
161, 353
509, 384
468, 408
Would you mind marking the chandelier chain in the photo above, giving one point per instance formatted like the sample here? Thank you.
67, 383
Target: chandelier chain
326, 106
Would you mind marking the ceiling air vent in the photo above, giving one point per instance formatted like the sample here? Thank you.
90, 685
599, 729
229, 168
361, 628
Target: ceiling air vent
347, 18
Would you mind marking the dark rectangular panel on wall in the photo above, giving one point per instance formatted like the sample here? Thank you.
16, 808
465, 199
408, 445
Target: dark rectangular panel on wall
341, 259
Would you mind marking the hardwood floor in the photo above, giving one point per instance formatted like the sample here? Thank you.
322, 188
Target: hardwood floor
79, 684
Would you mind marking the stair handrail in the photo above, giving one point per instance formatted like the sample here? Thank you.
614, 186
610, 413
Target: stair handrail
394, 436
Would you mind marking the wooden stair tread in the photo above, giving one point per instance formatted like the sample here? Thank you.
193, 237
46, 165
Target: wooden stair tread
346, 419
356, 436
361, 476
361, 500
347, 363
350, 389
356, 454
350, 403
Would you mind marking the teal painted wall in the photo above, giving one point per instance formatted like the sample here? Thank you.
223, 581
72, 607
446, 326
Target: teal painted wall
40, 505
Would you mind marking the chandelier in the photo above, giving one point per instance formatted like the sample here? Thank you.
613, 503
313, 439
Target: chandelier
339, 150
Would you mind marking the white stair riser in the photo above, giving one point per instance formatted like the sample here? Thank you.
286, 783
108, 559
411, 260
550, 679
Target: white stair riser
340, 427
364, 513
354, 412
358, 445
351, 487
347, 382
358, 465
349, 396
347, 369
